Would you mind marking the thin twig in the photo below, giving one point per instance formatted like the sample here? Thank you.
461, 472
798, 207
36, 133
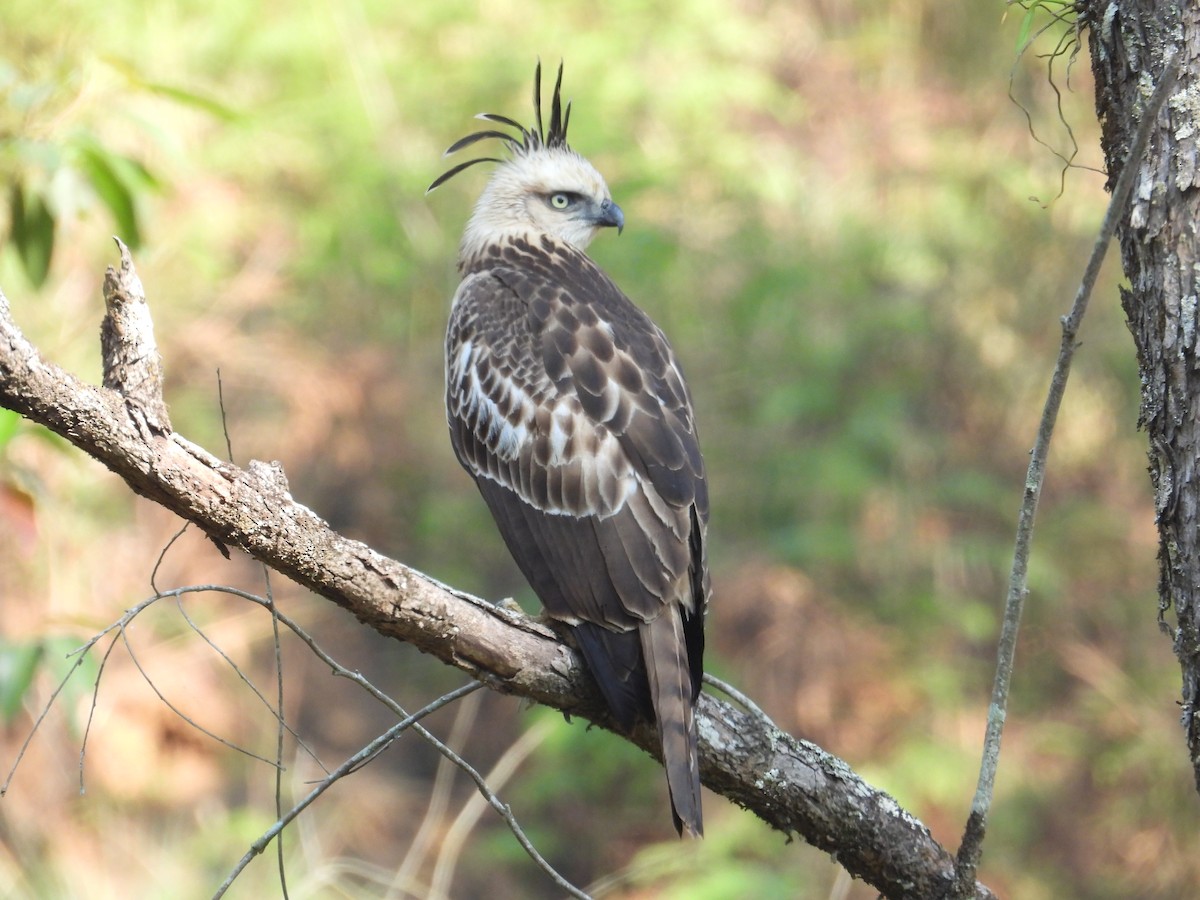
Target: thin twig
971, 849
163, 555
377, 746
281, 727
245, 679
224, 420
507, 814
367, 753
79, 654
439, 798
119, 624
173, 708
737, 697
1068, 43
87, 729
456, 835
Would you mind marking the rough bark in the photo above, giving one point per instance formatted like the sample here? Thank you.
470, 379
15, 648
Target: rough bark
1130, 43
791, 784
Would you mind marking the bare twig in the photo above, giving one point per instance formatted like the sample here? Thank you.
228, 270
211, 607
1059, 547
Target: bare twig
737, 697
87, 731
439, 799
120, 627
480, 782
124, 633
79, 654
281, 725
456, 836
971, 849
162, 555
277, 712
507, 814
370, 751
1068, 43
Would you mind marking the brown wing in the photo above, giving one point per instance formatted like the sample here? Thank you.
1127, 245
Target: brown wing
566, 404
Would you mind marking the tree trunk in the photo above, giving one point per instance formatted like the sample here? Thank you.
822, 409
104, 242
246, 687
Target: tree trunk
1131, 45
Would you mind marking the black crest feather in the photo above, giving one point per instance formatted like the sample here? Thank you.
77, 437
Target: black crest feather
526, 140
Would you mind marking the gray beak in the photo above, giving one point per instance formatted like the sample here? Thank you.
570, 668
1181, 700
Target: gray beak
609, 214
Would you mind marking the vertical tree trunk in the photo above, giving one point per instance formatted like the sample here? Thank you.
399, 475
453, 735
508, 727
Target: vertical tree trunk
1131, 43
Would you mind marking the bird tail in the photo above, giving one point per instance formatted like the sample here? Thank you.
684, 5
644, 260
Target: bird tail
671, 693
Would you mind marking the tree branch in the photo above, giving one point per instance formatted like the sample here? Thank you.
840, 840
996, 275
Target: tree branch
971, 849
792, 785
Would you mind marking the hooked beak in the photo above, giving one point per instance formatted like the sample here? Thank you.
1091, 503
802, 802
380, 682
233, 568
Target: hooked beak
610, 215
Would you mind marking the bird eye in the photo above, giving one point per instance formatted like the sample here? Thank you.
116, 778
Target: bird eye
560, 201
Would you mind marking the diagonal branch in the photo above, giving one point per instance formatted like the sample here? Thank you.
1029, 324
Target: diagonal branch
971, 849
790, 784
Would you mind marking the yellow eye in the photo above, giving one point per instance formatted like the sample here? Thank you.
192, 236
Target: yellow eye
560, 201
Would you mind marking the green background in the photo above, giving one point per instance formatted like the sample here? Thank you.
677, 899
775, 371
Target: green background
860, 247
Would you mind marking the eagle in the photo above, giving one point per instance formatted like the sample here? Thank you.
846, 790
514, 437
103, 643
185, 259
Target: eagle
568, 408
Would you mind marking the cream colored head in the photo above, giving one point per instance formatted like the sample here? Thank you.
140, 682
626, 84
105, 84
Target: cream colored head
544, 189
549, 191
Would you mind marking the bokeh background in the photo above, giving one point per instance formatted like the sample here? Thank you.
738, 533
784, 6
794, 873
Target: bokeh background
860, 246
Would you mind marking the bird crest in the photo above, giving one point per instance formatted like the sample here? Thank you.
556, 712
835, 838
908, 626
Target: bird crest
526, 140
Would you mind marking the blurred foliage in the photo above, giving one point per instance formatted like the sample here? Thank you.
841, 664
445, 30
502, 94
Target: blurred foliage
54, 99
49, 177
829, 212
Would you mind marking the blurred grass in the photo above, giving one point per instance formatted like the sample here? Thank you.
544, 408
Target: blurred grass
829, 213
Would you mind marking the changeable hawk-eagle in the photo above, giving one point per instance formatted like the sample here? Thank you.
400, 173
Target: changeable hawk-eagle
567, 406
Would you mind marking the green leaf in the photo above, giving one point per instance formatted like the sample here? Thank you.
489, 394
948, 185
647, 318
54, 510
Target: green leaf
18, 664
104, 170
134, 173
1026, 27
189, 98
182, 96
32, 227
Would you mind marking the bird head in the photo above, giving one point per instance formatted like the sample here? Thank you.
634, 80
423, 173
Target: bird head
544, 188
